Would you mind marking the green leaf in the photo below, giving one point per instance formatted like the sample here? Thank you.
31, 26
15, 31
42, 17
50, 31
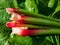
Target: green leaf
4, 31
6, 43
58, 2
45, 2
31, 6
50, 38
4, 34
21, 40
51, 3
5, 4
43, 7
57, 10
19, 4
4, 17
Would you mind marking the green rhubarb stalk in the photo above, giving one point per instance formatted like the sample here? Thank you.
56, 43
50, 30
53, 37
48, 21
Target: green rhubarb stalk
34, 26
12, 24
39, 32
36, 15
38, 21
48, 31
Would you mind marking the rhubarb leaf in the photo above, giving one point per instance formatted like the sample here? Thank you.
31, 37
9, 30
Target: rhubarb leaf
4, 31
31, 7
5, 4
21, 40
4, 34
4, 17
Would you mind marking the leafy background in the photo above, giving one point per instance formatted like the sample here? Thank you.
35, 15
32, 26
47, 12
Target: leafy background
48, 8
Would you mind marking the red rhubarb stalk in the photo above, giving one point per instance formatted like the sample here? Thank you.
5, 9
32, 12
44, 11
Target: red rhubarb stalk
17, 24
26, 32
35, 21
21, 11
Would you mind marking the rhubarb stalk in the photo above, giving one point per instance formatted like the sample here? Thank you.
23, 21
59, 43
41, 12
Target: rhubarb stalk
15, 24
21, 11
36, 32
35, 21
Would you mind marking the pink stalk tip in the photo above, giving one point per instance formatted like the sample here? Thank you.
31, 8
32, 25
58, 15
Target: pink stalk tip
15, 16
10, 24
11, 10
18, 30
23, 31
18, 17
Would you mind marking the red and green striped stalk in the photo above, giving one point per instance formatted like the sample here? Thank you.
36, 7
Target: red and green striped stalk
14, 24
36, 32
21, 11
35, 21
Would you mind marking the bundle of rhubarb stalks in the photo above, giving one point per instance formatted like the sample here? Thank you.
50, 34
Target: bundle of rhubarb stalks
30, 24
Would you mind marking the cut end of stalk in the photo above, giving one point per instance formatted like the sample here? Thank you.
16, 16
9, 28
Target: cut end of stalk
10, 24
18, 30
15, 24
11, 10
18, 17
15, 16
23, 31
